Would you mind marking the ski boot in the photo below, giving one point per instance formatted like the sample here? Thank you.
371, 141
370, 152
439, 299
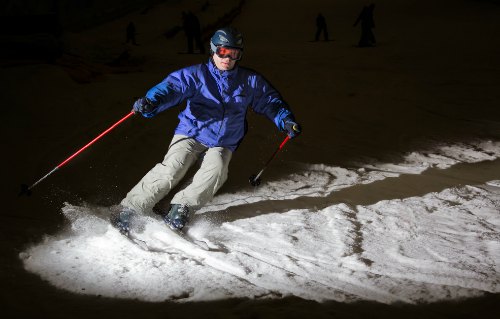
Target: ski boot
177, 217
121, 220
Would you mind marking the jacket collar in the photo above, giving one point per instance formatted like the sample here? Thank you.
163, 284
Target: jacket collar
222, 74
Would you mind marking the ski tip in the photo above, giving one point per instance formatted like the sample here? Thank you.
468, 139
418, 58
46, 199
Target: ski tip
25, 190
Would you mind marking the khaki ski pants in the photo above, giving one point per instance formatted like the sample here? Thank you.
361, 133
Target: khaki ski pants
183, 152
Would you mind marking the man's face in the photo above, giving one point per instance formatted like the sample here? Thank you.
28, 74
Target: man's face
224, 64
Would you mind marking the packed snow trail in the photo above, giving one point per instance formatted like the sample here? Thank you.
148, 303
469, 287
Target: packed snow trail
440, 246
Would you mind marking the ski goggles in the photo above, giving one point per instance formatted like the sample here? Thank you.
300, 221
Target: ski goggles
232, 53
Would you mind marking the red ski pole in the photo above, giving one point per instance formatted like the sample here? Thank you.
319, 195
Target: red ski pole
26, 190
255, 178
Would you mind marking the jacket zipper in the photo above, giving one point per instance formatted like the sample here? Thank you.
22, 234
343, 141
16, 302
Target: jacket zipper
223, 106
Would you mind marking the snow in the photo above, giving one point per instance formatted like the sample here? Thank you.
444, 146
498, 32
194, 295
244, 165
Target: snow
440, 246
322, 180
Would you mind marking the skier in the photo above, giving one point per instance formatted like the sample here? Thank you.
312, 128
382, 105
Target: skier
192, 29
367, 24
131, 33
321, 27
213, 124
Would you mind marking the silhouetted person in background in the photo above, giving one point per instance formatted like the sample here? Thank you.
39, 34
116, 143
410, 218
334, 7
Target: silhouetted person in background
131, 32
321, 27
367, 24
192, 29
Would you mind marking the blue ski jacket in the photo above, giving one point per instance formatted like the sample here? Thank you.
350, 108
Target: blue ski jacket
217, 102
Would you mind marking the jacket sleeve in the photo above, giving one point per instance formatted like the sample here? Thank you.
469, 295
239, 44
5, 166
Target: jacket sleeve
173, 90
267, 101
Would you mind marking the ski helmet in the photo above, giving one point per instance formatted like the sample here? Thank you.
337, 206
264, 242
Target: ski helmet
226, 37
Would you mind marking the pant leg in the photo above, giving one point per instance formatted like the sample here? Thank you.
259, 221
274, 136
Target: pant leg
208, 179
164, 176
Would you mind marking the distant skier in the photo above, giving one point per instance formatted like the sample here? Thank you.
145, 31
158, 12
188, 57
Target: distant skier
192, 30
131, 33
211, 127
321, 27
367, 24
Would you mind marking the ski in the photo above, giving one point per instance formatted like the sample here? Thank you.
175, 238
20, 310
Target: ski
141, 243
160, 238
203, 245
125, 231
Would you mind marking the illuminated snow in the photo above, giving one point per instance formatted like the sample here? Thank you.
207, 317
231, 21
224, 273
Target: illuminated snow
439, 246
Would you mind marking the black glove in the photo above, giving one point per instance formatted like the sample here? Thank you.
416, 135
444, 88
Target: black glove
292, 128
143, 106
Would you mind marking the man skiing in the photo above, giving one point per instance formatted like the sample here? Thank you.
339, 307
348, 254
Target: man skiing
213, 124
